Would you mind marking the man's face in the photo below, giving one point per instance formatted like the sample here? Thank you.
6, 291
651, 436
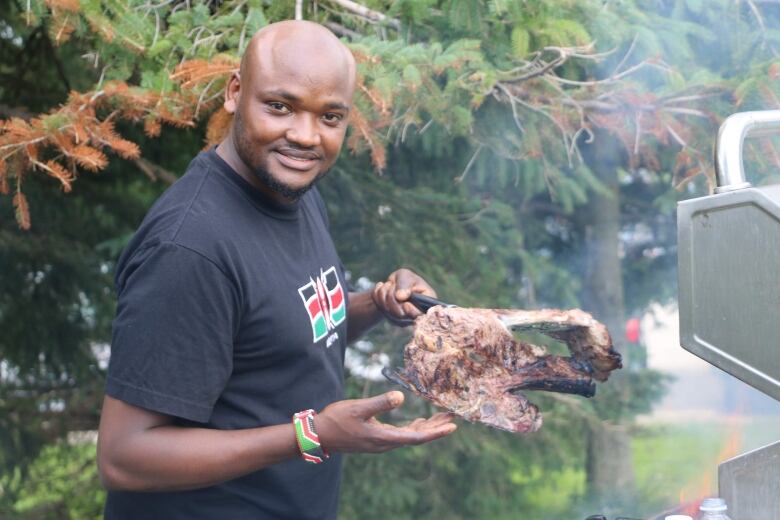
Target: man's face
290, 119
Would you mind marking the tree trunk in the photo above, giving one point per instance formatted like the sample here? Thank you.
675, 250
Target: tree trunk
609, 464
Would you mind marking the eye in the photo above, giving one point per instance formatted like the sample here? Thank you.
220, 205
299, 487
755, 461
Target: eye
277, 107
332, 118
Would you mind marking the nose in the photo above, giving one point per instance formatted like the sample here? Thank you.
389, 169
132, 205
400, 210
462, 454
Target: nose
304, 131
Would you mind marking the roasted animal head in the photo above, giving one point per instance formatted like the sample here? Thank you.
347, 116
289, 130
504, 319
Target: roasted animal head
468, 361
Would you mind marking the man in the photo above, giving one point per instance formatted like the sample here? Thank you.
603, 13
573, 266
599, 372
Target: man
232, 314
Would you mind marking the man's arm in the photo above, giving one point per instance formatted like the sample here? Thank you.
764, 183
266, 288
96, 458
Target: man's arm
388, 299
362, 315
140, 450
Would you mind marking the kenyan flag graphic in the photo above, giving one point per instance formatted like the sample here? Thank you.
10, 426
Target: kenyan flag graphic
324, 301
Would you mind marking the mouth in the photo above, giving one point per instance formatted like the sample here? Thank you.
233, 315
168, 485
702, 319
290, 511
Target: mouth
301, 160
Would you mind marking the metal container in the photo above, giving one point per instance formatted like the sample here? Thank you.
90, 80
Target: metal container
729, 298
750, 484
729, 265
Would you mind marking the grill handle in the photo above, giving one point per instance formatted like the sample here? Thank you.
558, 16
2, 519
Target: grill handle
729, 170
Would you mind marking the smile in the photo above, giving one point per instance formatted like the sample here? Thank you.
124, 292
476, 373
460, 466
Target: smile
296, 163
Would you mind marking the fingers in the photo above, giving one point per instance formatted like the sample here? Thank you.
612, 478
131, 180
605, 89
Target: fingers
441, 418
392, 296
434, 421
350, 426
419, 431
411, 310
376, 405
396, 437
403, 293
407, 282
386, 300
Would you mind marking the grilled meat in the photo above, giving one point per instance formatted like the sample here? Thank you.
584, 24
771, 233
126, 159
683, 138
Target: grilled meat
467, 361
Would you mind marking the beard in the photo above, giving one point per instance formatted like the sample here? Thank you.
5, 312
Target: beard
280, 187
244, 149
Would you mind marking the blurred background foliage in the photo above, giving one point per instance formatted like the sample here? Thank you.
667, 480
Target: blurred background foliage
515, 153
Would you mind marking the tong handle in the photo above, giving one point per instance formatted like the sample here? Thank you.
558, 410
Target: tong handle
424, 303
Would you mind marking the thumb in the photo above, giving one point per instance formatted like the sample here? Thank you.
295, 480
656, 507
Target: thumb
381, 403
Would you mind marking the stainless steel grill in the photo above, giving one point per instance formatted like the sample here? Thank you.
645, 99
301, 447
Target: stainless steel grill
729, 298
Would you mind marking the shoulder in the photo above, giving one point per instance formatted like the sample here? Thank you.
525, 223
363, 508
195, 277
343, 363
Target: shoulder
196, 213
174, 207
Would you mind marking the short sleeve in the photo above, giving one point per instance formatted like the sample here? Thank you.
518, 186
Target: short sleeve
172, 345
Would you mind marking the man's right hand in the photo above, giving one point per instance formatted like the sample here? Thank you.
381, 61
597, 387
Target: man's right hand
141, 450
351, 426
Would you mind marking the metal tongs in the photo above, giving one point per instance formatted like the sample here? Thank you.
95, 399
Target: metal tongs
424, 303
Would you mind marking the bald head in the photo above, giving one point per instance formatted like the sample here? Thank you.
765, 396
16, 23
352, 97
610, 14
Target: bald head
297, 46
291, 103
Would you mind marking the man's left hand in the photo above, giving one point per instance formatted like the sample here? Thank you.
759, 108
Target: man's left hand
391, 297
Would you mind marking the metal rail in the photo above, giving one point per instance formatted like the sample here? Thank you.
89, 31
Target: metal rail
729, 170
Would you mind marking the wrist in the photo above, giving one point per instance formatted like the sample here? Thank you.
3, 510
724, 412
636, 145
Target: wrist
371, 308
307, 438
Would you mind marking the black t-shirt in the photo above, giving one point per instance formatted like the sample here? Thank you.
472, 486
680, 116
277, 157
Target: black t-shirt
231, 314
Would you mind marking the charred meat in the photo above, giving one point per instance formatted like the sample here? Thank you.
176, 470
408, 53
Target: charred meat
468, 361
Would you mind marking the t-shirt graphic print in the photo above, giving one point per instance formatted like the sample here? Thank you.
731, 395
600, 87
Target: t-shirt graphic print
323, 298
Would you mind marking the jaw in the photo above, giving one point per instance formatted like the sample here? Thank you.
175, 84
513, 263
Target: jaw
282, 184
289, 180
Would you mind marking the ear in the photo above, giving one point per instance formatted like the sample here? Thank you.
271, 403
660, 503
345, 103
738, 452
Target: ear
232, 93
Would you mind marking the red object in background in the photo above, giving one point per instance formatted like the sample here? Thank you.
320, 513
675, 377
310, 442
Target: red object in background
633, 327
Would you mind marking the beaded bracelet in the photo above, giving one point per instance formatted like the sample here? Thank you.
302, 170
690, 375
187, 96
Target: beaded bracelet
308, 440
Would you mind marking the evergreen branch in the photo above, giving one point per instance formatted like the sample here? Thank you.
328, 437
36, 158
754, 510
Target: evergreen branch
543, 68
366, 13
539, 110
638, 133
757, 14
155, 171
474, 156
688, 112
342, 31
299, 9
57, 63
80, 133
689, 99
611, 79
513, 105
626, 55
675, 135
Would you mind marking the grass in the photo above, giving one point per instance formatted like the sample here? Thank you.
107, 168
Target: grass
678, 463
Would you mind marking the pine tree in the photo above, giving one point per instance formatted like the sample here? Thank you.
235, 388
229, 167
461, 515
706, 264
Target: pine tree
475, 157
